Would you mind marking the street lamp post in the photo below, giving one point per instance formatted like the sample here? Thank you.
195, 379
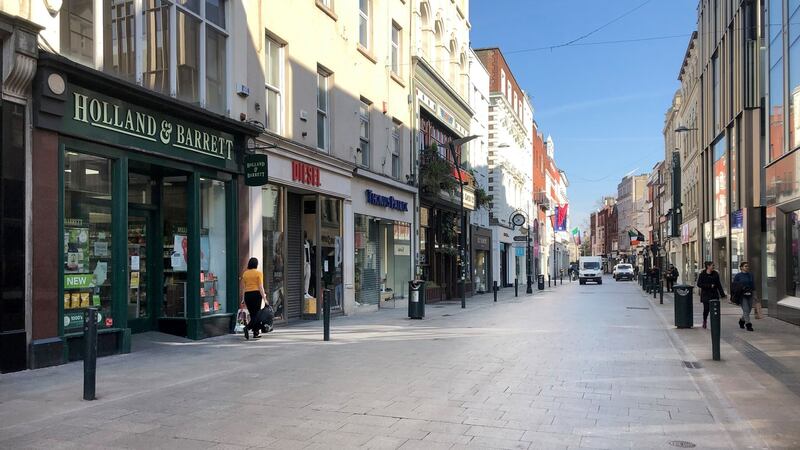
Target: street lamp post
529, 269
463, 238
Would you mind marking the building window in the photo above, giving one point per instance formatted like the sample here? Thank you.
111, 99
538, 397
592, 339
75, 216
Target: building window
396, 146
395, 51
363, 113
119, 48
776, 129
273, 75
77, 30
715, 100
156, 66
364, 23
215, 71
794, 74
502, 83
323, 125
195, 71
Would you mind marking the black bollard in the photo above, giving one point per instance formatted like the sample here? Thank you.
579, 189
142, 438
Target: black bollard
548, 280
326, 315
661, 293
715, 331
561, 277
494, 288
516, 287
89, 353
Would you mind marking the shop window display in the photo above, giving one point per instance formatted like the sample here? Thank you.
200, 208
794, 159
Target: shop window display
382, 259
331, 249
212, 247
87, 239
793, 278
175, 245
273, 239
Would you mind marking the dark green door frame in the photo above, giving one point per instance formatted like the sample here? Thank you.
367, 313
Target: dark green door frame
119, 224
152, 255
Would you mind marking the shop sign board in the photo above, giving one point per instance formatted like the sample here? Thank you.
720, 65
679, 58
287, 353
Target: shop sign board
104, 118
386, 202
305, 173
256, 169
521, 238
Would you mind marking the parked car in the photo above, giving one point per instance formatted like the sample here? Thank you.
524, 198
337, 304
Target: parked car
623, 272
590, 269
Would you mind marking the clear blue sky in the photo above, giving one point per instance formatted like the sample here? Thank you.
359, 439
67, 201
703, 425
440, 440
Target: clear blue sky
603, 104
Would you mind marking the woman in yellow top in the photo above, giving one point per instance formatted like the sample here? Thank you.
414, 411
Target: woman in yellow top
253, 296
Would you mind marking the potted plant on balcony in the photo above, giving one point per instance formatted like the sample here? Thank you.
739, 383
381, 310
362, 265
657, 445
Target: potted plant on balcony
435, 173
482, 199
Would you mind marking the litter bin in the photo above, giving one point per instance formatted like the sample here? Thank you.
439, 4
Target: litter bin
684, 315
416, 299
540, 282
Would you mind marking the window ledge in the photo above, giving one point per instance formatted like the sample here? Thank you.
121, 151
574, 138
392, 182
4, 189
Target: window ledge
329, 12
367, 54
397, 79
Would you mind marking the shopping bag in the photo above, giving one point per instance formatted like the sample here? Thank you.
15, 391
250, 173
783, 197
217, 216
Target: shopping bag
242, 317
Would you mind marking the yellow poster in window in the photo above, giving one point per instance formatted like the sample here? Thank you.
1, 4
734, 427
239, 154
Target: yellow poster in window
134, 280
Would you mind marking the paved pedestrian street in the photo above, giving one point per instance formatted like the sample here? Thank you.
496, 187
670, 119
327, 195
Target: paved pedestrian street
595, 366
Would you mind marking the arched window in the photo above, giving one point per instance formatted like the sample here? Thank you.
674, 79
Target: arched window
425, 21
453, 61
439, 57
463, 73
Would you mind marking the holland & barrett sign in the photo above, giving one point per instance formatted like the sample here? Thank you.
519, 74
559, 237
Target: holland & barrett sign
112, 120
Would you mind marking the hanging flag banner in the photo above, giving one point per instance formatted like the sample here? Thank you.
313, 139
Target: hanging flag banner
576, 236
560, 218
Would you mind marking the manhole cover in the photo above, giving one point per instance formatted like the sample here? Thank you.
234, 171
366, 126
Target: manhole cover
446, 315
682, 444
637, 307
692, 365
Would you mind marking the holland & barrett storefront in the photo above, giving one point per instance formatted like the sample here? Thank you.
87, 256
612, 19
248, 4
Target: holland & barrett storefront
135, 213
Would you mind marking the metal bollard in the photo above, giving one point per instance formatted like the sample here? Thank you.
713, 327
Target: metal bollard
89, 353
494, 288
661, 293
561, 276
715, 328
516, 287
548, 280
326, 316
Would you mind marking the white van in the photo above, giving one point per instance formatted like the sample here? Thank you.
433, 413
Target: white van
590, 268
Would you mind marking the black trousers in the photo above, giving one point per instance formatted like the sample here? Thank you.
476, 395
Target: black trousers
706, 309
252, 299
670, 282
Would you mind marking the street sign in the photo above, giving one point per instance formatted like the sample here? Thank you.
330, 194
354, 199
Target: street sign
521, 238
255, 169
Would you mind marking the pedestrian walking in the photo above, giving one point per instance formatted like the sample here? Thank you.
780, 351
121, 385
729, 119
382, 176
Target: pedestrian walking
636, 272
743, 292
710, 288
254, 298
671, 277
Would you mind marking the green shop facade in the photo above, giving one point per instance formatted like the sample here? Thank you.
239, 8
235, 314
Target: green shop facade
135, 211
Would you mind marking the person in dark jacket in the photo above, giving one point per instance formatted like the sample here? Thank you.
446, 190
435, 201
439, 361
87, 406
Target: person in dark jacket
671, 277
710, 288
745, 287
